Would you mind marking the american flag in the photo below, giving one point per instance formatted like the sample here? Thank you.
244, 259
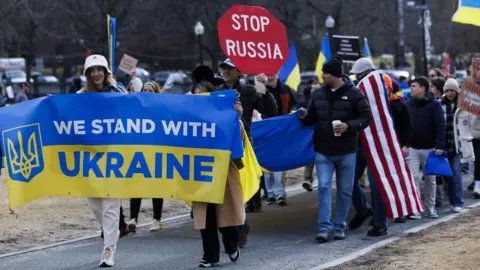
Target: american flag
384, 154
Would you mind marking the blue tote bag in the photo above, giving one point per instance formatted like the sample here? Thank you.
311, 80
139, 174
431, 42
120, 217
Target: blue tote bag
437, 165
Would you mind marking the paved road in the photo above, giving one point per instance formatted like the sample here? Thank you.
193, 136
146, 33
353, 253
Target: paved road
282, 238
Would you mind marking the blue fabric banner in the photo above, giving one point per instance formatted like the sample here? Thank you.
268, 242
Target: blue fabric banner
283, 143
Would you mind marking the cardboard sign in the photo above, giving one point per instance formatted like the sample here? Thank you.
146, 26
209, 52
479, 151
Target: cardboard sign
254, 40
128, 64
469, 97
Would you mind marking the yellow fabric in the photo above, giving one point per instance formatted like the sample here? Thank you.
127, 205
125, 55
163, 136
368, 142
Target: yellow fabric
467, 15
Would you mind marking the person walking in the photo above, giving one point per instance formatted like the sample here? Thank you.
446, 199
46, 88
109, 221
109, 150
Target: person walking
455, 185
285, 103
107, 211
428, 134
339, 111
226, 217
250, 100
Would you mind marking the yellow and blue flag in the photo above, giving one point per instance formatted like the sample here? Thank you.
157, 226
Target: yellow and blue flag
89, 145
324, 55
283, 143
112, 40
290, 72
468, 12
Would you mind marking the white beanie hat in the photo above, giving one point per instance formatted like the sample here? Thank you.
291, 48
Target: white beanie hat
362, 65
451, 84
96, 60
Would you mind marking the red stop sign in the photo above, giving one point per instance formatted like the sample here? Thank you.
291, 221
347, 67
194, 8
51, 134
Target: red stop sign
253, 39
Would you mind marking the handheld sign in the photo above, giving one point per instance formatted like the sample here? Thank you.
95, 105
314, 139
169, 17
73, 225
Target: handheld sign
254, 40
469, 97
347, 47
128, 64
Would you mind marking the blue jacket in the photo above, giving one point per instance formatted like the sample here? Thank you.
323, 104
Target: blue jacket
428, 123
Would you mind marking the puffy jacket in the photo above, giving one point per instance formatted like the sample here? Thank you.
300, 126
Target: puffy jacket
347, 104
402, 120
428, 123
250, 100
283, 97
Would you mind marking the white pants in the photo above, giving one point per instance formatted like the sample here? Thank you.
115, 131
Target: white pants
416, 160
107, 213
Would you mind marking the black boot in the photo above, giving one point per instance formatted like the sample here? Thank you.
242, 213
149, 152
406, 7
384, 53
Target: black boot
376, 231
358, 220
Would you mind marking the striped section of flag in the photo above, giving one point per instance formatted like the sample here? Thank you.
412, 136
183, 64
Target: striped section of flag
384, 153
324, 55
290, 72
468, 12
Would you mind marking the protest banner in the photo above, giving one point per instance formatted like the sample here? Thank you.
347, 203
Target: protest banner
254, 40
90, 145
469, 97
128, 64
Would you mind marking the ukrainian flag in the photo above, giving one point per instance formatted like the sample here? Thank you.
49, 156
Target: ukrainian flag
290, 72
468, 12
324, 56
366, 49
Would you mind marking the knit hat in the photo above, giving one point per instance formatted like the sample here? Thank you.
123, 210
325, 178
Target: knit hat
439, 83
451, 84
334, 67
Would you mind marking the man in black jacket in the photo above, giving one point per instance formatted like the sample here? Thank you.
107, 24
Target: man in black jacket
428, 134
339, 111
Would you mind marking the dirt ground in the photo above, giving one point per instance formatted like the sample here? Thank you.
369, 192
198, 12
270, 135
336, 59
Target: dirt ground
53, 219
451, 245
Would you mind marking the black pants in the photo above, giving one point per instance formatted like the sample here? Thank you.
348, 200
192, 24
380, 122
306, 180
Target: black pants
211, 244
476, 150
135, 208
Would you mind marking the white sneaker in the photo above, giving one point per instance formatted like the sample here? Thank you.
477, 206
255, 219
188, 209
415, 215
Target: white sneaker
416, 216
108, 257
456, 209
432, 213
132, 225
476, 190
156, 226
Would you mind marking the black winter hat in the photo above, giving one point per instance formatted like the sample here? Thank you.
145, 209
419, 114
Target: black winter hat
334, 67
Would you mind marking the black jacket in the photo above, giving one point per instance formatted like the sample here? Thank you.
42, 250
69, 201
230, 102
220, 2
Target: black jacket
428, 123
402, 120
250, 100
283, 96
347, 104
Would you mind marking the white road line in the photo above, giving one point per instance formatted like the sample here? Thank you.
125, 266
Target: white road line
363, 251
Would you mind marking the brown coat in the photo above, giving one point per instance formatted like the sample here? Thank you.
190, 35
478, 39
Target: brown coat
232, 211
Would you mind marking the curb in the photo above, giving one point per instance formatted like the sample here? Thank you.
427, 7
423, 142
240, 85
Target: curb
354, 255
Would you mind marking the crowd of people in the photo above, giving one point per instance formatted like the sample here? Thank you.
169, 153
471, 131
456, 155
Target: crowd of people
429, 121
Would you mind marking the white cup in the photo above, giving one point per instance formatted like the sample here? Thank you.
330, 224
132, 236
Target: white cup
334, 124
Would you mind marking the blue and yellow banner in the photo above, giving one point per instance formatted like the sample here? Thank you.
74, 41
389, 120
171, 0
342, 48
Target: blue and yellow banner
111, 145
283, 143
468, 12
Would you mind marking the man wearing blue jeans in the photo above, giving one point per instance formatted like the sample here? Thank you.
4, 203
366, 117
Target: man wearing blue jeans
276, 191
339, 111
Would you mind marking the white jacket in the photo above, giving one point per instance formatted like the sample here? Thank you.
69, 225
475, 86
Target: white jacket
464, 129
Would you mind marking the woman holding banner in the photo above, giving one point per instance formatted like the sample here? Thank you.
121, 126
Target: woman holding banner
107, 211
208, 217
